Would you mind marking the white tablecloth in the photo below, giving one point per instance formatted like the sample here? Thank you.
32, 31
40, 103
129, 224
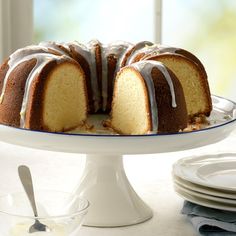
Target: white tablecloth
150, 176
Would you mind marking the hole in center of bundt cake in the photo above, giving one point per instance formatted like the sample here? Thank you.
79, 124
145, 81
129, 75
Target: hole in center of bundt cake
64, 98
130, 100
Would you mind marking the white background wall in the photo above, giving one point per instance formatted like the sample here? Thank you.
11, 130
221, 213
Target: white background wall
106, 20
16, 25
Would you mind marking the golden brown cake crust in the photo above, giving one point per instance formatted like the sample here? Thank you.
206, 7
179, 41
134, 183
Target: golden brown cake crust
11, 105
98, 56
203, 78
192, 57
34, 118
134, 49
34, 113
111, 62
169, 119
85, 66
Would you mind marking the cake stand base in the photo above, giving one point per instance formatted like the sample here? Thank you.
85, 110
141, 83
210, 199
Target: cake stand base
113, 200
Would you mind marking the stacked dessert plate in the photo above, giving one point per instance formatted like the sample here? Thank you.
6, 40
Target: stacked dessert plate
208, 180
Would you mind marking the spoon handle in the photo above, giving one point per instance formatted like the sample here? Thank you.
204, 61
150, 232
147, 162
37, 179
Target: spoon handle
26, 180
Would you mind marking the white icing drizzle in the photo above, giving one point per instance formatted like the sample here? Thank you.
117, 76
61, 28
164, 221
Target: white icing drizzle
88, 53
125, 48
164, 48
104, 54
16, 58
158, 49
82, 50
23, 52
137, 48
145, 68
66, 45
93, 74
41, 61
116, 49
54, 46
166, 74
42, 56
152, 50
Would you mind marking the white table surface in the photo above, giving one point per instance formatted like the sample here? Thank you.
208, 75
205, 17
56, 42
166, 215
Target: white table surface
150, 176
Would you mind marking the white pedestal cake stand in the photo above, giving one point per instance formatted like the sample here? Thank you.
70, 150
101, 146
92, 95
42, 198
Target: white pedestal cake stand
104, 183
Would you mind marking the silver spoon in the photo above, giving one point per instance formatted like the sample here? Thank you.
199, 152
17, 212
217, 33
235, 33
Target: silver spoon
26, 180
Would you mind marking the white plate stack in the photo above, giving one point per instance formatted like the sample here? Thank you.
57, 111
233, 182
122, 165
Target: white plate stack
208, 180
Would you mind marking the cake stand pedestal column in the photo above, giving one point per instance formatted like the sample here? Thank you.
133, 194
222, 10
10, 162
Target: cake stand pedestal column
113, 200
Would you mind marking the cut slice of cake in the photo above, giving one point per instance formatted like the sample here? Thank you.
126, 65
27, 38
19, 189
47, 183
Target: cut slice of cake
42, 91
65, 98
147, 98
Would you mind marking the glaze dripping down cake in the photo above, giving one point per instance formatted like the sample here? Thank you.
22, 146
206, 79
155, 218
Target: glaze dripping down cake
146, 88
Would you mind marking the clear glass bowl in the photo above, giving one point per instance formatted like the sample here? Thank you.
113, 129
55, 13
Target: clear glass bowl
62, 212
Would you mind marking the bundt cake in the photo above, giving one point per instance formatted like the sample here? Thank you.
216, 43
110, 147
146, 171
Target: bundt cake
54, 86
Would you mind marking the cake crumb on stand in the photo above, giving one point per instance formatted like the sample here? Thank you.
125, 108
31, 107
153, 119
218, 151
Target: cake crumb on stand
101, 125
95, 124
197, 123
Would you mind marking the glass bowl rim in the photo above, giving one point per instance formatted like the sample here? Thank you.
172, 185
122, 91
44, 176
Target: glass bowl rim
83, 211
